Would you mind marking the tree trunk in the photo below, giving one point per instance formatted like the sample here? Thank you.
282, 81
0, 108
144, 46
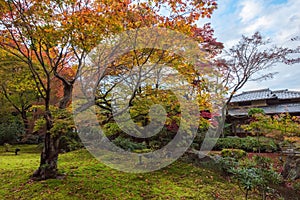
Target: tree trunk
264, 194
68, 89
49, 155
246, 195
221, 121
25, 122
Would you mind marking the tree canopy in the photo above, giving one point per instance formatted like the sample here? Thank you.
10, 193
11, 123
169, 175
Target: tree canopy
51, 40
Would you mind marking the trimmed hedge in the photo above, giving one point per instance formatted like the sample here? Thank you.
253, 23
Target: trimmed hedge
235, 153
248, 144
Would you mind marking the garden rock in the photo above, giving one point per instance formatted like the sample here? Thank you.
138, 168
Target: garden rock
17, 150
291, 169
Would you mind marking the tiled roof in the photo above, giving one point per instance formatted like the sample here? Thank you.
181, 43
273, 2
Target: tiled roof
285, 94
265, 94
272, 109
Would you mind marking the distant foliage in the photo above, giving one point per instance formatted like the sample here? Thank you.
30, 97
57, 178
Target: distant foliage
262, 125
70, 142
111, 129
11, 131
127, 144
254, 111
285, 123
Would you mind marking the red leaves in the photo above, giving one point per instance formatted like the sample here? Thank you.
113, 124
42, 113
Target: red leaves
205, 114
173, 127
205, 35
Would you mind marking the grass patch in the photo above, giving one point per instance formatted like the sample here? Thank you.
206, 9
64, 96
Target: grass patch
88, 178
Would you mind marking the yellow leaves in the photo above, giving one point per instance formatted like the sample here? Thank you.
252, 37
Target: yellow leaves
48, 30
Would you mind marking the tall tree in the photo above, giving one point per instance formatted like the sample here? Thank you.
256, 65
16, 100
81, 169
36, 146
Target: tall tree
249, 60
59, 35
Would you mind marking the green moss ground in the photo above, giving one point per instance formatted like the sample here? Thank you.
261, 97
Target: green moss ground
88, 178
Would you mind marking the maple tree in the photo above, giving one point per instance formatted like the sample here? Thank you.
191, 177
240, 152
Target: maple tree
52, 38
17, 87
249, 60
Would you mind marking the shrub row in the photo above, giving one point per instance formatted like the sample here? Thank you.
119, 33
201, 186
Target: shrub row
248, 144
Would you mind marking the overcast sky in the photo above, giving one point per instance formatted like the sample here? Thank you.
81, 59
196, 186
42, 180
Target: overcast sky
278, 20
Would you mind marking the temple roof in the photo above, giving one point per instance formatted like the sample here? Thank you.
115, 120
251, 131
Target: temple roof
263, 94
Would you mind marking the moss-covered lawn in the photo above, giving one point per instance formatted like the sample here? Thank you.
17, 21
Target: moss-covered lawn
87, 178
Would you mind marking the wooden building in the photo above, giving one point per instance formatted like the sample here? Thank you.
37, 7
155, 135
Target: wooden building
272, 102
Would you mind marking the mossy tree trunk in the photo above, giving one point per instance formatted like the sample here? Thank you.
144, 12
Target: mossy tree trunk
49, 155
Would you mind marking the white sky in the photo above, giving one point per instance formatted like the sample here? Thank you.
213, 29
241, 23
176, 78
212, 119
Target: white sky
278, 20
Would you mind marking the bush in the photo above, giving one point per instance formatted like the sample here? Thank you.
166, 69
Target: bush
254, 111
269, 146
248, 144
226, 143
70, 142
248, 178
11, 131
257, 173
235, 153
111, 129
226, 164
296, 186
127, 144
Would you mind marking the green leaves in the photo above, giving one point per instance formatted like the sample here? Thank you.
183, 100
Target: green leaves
11, 130
254, 111
263, 124
257, 173
62, 122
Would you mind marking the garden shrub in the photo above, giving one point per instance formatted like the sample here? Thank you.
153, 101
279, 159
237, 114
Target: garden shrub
235, 153
127, 144
226, 164
225, 143
111, 129
11, 131
248, 178
269, 146
257, 173
254, 111
296, 186
70, 142
32, 139
248, 144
